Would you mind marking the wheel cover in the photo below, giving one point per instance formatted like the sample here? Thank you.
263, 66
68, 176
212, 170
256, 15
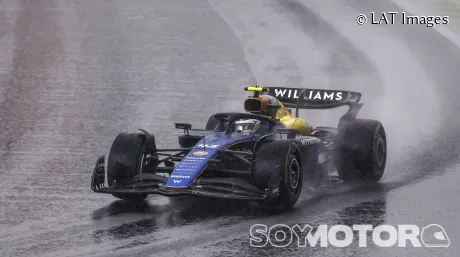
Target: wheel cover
294, 170
380, 151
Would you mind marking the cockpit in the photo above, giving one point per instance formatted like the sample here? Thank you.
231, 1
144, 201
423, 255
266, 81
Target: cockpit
246, 126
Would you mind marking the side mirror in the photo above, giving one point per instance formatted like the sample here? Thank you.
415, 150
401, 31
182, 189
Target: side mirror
184, 126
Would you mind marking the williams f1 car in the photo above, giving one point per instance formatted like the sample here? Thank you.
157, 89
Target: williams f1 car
265, 154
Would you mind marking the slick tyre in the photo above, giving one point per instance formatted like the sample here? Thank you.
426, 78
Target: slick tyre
277, 164
124, 157
361, 151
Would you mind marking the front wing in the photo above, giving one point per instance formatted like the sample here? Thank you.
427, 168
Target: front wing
148, 183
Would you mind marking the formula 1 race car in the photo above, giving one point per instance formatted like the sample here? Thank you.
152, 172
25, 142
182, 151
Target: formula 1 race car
264, 154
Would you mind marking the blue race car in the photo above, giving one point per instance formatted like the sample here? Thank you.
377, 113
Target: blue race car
264, 154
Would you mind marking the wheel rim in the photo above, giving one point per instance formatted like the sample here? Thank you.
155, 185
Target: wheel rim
380, 151
294, 170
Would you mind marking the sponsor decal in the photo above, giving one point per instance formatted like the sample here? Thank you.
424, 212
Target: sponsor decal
188, 164
310, 94
177, 181
186, 168
192, 162
208, 146
179, 176
191, 165
185, 172
191, 158
200, 153
309, 141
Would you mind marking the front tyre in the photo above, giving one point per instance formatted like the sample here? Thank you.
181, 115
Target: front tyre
292, 182
124, 163
124, 157
278, 165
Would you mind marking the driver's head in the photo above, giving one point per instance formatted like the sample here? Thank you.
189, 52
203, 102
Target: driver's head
246, 126
266, 105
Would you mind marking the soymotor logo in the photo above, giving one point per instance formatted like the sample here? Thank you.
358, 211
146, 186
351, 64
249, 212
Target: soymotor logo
281, 235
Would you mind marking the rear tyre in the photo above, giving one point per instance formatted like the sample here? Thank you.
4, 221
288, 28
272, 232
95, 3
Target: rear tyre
285, 156
361, 151
123, 163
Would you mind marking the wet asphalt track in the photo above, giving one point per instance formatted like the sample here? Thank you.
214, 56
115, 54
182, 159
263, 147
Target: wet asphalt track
75, 73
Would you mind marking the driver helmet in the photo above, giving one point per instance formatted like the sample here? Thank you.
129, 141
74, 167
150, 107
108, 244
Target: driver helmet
266, 105
247, 126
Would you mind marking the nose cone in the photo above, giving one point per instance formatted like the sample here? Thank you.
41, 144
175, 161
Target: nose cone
190, 167
196, 161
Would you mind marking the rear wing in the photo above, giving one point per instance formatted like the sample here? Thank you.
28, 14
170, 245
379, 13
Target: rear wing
305, 98
313, 98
